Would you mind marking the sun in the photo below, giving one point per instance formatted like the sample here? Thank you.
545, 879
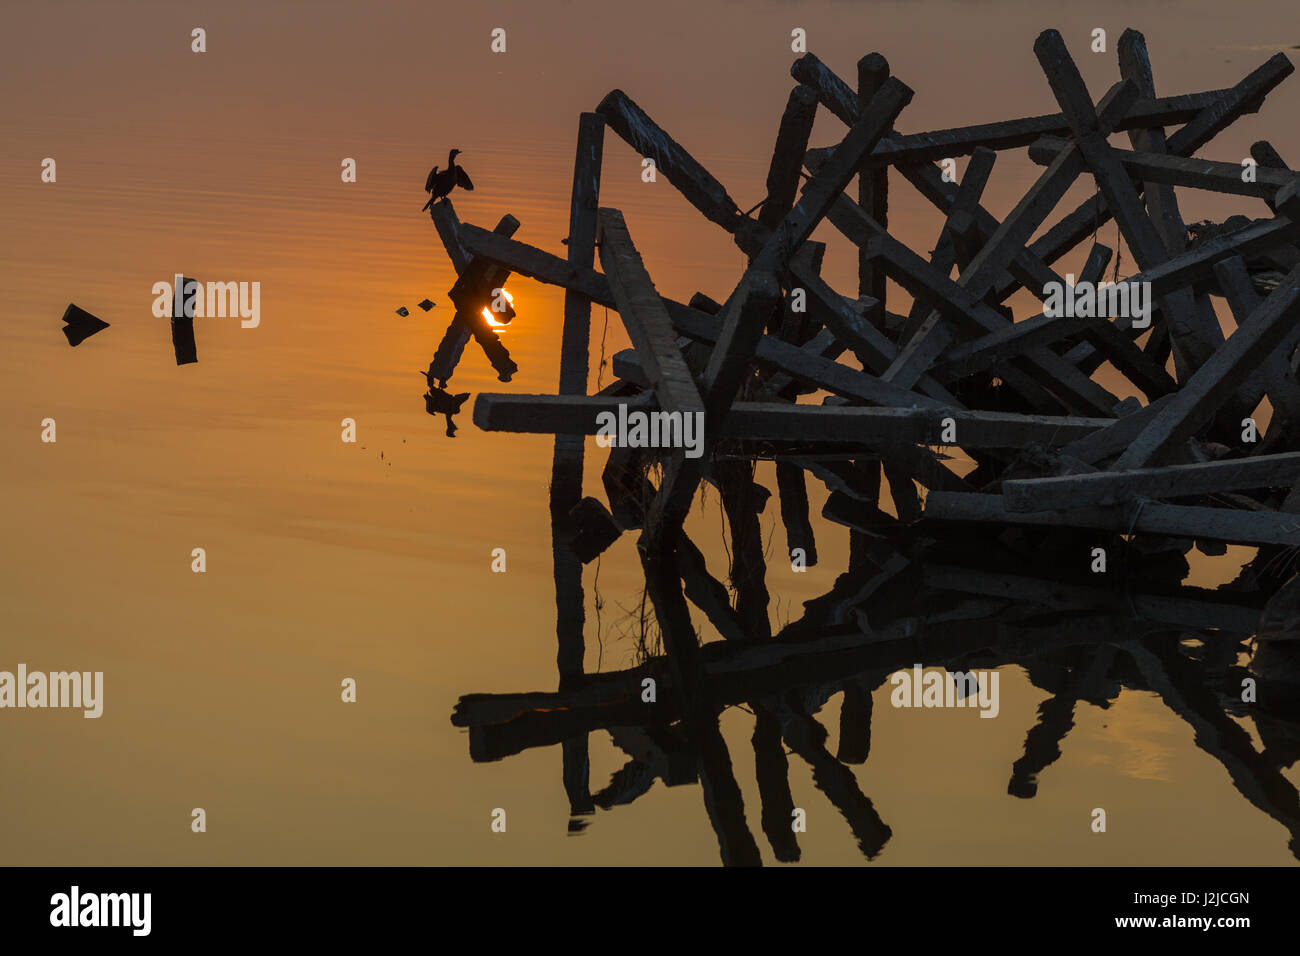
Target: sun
491, 319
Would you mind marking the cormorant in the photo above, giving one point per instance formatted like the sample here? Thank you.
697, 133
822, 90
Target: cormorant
439, 184
438, 401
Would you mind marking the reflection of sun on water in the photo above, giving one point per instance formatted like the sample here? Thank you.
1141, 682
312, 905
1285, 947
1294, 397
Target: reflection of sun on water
491, 319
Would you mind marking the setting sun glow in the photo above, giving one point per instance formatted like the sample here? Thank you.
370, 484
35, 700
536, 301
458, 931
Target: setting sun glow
491, 319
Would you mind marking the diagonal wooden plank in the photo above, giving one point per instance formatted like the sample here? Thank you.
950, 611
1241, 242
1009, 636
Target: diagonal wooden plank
1275, 377
973, 180
634, 125
743, 318
472, 290
1270, 326
1194, 335
1009, 240
1246, 96
645, 317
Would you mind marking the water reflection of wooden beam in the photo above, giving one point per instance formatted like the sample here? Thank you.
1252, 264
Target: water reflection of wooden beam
1055, 721
1186, 607
501, 725
772, 771
1184, 688
658, 753
855, 723
748, 566
807, 738
793, 492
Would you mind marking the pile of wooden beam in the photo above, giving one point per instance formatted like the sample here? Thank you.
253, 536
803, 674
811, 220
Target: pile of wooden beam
974, 419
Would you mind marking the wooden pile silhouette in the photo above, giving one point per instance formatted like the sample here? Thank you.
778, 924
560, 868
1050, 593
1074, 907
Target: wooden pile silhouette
1052, 446
1053, 449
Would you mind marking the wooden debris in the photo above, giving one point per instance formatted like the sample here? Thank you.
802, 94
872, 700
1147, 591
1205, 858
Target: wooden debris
1004, 456
183, 308
79, 325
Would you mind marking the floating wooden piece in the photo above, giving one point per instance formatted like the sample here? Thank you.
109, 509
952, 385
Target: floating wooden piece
79, 325
183, 320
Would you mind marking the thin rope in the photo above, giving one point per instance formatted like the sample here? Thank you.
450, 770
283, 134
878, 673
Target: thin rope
600, 369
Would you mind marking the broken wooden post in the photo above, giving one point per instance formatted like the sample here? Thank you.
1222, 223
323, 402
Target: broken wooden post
873, 182
183, 308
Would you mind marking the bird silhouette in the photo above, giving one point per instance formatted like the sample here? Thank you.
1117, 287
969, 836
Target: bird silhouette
439, 184
438, 401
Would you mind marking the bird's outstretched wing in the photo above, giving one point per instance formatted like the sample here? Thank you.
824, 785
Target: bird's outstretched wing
428, 182
462, 180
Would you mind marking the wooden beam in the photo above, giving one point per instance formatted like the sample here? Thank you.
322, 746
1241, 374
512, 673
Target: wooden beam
551, 414
944, 256
1009, 240
1275, 377
567, 460
645, 317
787, 155
873, 181
672, 161
1192, 336
1113, 439
900, 149
804, 362
1171, 481
1268, 328
1215, 115
471, 292
957, 304
1197, 263
1150, 517
1161, 168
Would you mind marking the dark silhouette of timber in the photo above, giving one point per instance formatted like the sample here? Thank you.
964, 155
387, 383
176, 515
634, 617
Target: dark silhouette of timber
438, 401
79, 325
990, 567
183, 343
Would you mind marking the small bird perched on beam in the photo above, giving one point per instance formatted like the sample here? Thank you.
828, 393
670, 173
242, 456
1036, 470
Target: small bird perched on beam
439, 184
